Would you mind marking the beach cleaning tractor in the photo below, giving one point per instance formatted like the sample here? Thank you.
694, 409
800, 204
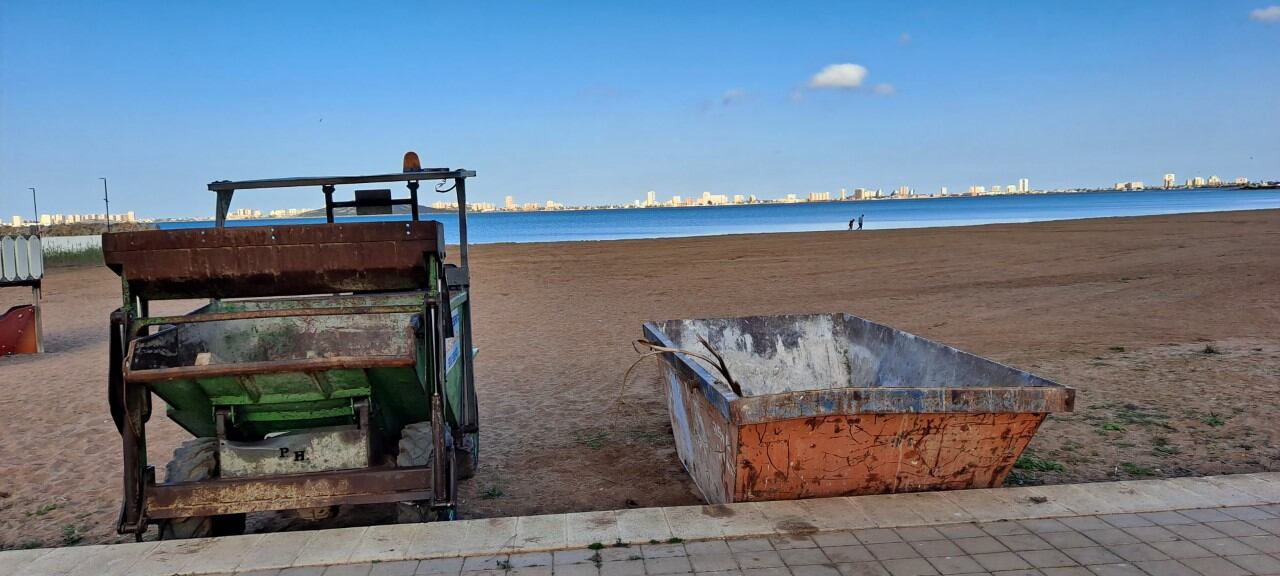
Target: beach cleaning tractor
332, 364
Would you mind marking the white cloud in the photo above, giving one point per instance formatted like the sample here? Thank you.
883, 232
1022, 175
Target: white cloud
884, 89
731, 96
1270, 14
904, 39
839, 76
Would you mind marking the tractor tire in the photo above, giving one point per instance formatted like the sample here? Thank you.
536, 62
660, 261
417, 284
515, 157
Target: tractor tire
468, 455
193, 461
417, 448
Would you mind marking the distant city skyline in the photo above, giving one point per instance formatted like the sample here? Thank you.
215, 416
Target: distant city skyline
600, 103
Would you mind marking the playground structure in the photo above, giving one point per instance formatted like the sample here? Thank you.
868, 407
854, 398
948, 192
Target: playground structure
332, 365
786, 407
21, 264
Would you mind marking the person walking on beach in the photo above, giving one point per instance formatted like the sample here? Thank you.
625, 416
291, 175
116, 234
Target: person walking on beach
860, 216
851, 223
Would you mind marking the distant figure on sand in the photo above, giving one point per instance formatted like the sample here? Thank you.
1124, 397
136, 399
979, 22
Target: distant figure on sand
851, 223
860, 216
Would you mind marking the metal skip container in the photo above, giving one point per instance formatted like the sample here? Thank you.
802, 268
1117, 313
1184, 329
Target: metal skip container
834, 405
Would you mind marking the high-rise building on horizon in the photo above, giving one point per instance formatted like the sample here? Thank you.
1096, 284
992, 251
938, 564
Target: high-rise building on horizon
942, 191
1215, 181
903, 192
1241, 181
509, 203
1170, 180
651, 198
1024, 185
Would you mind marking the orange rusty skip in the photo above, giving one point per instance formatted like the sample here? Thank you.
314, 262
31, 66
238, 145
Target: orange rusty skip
18, 331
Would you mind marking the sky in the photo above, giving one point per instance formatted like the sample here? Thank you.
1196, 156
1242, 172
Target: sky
599, 102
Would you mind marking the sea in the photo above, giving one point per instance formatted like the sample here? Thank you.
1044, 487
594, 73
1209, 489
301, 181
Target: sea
617, 224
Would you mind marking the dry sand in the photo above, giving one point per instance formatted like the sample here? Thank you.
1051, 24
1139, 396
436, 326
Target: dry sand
1169, 327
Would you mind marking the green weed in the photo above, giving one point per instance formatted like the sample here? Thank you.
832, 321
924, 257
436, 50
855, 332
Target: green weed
1035, 463
1135, 470
71, 535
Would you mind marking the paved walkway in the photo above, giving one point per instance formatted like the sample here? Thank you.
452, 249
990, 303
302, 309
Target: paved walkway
1216, 526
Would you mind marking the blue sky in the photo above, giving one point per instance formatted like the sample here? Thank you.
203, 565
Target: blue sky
602, 101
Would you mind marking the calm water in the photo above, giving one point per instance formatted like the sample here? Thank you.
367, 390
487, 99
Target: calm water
880, 215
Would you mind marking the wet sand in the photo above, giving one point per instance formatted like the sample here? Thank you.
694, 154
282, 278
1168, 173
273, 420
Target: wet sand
1168, 326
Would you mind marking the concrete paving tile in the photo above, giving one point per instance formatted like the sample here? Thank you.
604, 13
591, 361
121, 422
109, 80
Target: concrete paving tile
758, 559
394, 568
886, 511
786, 516
815, 570
1181, 549
955, 531
276, 550
1044, 526
1092, 555
919, 533
1047, 558
1131, 496
173, 557
544, 532
112, 560
617, 553
672, 565
1117, 570
1215, 566
1225, 546
576, 570
1004, 528
1137, 552
848, 554
432, 540
528, 571
776, 571
484, 562
933, 548
892, 551
487, 535
330, 546
1221, 494
60, 561
1166, 568
1247, 513
1071, 571
1206, 515
734, 572
303, 571
959, 564
1236, 528
980, 545
1266, 544
1077, 499
1020, 542
838, 538
573, 556
707, 548
1171, 496
662, 550
909, 567
692, 522
1125, 520
1110, 537
750, 545
788, 542
385, 543
1257, 563
836, 514
623, 568
877, 536
1267, 492
862, 569
746, 520
1152, 534
1006, 504
1167, 518
935, 508
1272, 525
1195, 532
530, 559
1063, 540
713, 562
803, 556
11, 561
998, 561
361, 569
264, 572
440, 567
584, 528
1082, 523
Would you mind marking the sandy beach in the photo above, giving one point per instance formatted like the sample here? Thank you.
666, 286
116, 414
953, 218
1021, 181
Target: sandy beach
1169, 328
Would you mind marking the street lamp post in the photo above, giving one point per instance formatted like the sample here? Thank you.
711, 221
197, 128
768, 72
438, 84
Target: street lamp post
34, 207
106, 201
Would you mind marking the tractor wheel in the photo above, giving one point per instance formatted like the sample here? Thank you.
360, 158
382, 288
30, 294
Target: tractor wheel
193, 461
468, 455
417, 448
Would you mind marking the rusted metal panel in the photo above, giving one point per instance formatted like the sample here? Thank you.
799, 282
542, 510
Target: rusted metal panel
18, 331
274, 260
878, 453
832, 404
233, 496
